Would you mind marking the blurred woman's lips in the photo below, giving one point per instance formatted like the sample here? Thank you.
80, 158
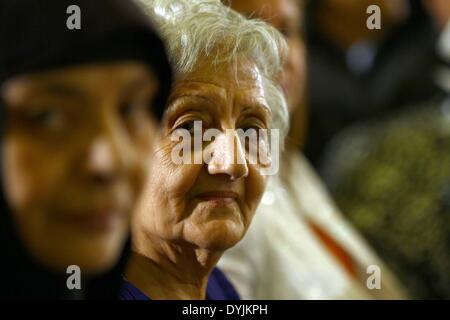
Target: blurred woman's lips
94, 221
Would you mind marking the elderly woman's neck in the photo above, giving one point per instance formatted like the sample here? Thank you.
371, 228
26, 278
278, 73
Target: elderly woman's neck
167, 271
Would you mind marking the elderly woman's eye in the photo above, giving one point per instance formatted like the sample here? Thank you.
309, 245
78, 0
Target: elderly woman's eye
190, 125
251, 128
254, 125
187, 125
253, 132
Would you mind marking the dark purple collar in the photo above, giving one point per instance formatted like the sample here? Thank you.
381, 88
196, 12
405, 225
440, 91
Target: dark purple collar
219, 288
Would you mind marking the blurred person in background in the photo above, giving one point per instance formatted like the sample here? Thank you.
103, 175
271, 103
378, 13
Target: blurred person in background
191, 212
79, 111
392, 179
299, 246
357, 74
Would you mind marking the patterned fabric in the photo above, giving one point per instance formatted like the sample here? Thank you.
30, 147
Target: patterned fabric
392, 180
219, 288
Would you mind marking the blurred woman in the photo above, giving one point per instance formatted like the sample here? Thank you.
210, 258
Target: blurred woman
77, 125
191, 213
299, 246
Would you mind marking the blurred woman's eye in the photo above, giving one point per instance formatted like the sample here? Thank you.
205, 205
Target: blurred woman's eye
134, 110
135, 116
286, 33
48, 118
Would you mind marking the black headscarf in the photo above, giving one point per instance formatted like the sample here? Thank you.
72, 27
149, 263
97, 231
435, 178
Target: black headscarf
34, 37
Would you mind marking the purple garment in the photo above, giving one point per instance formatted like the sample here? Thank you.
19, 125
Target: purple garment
218, 288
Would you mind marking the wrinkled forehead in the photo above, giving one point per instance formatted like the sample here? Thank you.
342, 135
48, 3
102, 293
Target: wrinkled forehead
227, 84
238, 74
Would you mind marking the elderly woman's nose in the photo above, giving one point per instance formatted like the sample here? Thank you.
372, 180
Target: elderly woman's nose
228, 157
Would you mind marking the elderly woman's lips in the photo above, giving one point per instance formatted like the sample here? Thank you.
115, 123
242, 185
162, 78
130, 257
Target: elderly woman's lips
218, 196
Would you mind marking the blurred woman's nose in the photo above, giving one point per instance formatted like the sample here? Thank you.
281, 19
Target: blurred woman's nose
108, 155
228, 157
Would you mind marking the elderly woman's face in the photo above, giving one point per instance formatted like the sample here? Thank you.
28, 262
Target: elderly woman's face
74, 159
208, 205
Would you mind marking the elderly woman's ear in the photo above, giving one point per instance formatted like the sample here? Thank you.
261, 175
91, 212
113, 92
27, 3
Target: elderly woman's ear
208, 174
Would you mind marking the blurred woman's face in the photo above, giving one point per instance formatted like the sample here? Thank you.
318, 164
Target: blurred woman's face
284, 15
74, 155
207, 205
439, 11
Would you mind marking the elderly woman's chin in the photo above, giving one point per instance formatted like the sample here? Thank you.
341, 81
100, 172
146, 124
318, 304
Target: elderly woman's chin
215, 228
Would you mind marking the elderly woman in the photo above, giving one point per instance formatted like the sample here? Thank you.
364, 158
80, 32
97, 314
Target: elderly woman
77, 122
191, 213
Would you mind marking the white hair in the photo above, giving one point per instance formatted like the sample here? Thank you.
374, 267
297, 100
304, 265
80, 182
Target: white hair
193, 29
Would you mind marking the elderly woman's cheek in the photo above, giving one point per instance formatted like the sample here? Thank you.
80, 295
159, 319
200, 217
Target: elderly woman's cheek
169, 183
175, 178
